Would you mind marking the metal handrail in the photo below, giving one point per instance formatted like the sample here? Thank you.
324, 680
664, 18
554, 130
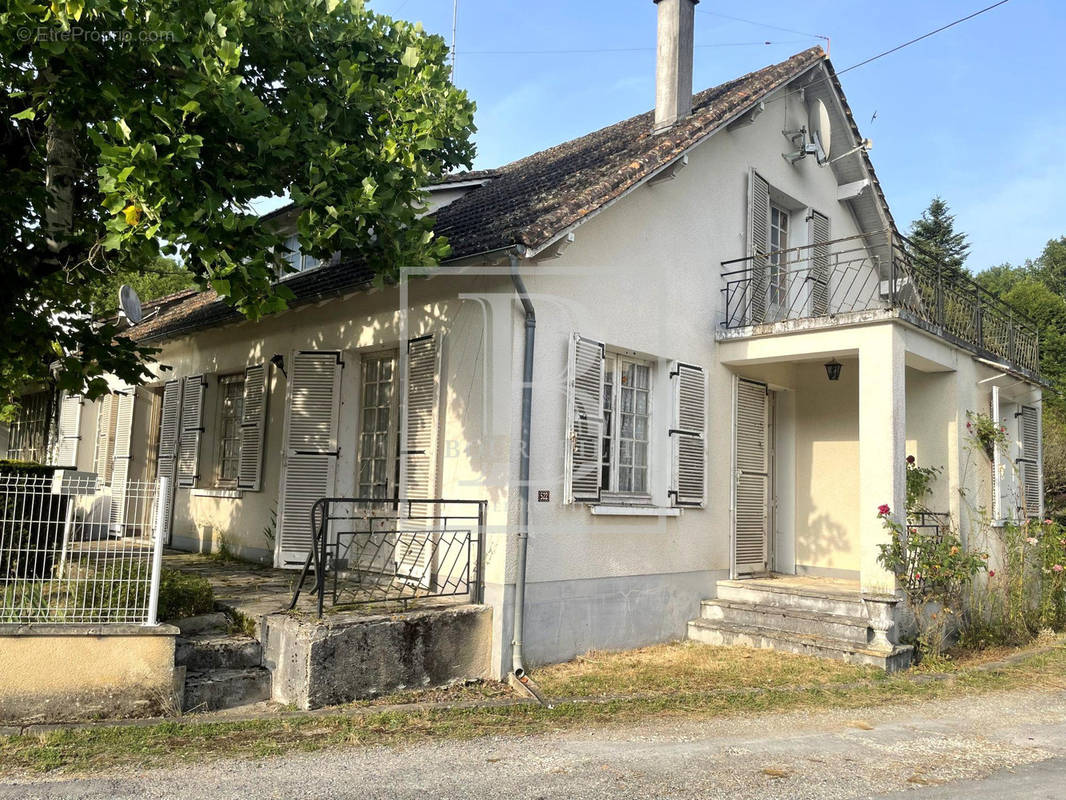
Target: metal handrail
318, 556
800, 282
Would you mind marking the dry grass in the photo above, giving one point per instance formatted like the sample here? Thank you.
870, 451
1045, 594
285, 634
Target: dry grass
690, 667
680, 680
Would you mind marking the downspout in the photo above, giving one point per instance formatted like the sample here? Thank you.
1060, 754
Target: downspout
517, 665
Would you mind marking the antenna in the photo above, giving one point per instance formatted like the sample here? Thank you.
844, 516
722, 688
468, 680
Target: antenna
129, 304
455, 18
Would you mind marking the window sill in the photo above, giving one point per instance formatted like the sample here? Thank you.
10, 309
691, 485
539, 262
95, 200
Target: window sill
634, 511
234, 494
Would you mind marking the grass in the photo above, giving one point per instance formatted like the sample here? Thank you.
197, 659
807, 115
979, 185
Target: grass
678, 680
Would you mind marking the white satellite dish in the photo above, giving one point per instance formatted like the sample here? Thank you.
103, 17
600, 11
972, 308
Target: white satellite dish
129, 303
820, 129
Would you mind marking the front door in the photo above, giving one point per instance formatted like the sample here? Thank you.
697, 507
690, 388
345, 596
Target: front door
751, 522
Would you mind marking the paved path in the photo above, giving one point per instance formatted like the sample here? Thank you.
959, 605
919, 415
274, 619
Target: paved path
999, 745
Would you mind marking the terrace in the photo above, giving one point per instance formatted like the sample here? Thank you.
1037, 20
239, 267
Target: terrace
859, 278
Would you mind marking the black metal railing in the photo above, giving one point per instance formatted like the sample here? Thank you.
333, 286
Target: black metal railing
394, 551
870, 272
929, 525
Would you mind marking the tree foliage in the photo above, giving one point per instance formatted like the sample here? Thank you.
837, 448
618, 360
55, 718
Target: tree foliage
135, 130
939, 245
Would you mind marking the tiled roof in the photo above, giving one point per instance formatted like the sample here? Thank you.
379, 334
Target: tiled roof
530, 201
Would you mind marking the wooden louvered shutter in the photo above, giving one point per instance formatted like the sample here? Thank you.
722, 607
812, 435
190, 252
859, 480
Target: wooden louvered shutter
758, 246
191, 431
103, 455
751, 533
817, 236
120, 472
69, 431
414, 549
1030, 462
310, 455
166, 465
253, 426
688, 436
583, 449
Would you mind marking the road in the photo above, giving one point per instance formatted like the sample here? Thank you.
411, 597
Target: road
1010, 744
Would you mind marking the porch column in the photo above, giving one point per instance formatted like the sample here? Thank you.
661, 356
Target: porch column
882, 446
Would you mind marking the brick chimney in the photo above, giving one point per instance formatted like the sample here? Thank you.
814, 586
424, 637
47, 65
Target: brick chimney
673, 65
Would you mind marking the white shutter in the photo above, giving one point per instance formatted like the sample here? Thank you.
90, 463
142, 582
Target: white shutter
103, 455
1030, 462
167, 456
751, 525
69, 431
310, 455
414, 552
191, 430
583, 449
999, 512
688, 435
253, 425
758, 246
817, 236
120, 471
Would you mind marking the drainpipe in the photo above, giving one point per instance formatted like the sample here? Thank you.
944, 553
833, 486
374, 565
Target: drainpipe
523, 470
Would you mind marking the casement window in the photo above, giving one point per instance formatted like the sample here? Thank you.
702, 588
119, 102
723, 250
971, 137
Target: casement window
780, 221
28, 432
377, 430
298, 260
228, 429
614, 428
626, 415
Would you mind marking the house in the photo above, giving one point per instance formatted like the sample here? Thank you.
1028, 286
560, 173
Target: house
732, 353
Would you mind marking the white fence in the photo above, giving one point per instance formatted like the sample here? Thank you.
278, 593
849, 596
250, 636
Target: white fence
75, 551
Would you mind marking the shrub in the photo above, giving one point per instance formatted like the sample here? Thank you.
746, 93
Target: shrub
35, 524
184, 595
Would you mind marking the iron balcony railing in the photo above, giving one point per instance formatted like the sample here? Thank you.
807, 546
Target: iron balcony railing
395, 551
870, 272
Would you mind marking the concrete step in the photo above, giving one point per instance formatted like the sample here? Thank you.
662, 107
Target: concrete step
216, 621
729, 634
225, 688
791, 620
765, 593
209, 651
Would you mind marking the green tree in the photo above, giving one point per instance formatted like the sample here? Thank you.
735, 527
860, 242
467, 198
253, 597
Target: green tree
1050, 266
937, 243
134, 130
156, 280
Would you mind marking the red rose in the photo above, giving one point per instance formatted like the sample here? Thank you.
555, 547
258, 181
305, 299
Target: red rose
883, 509
910, 459
991, 573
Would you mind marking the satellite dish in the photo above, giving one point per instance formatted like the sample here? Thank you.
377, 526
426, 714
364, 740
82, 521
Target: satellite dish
129, 303
820, 130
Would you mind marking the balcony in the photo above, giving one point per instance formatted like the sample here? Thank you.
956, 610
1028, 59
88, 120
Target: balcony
845, 279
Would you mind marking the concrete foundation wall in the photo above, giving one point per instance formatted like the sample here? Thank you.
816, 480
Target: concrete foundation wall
65, 673
319, 663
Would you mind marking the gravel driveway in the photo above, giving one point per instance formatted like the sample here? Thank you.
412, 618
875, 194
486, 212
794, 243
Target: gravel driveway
1003, 745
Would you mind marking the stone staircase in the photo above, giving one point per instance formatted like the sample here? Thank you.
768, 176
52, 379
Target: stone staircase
806, 616
223, 669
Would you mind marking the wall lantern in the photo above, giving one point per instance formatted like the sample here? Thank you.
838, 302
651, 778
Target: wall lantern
832, 370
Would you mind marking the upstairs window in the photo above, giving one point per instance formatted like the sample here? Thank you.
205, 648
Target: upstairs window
299, 261
779, 229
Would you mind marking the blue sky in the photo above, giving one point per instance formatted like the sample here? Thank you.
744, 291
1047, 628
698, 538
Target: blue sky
976, 113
